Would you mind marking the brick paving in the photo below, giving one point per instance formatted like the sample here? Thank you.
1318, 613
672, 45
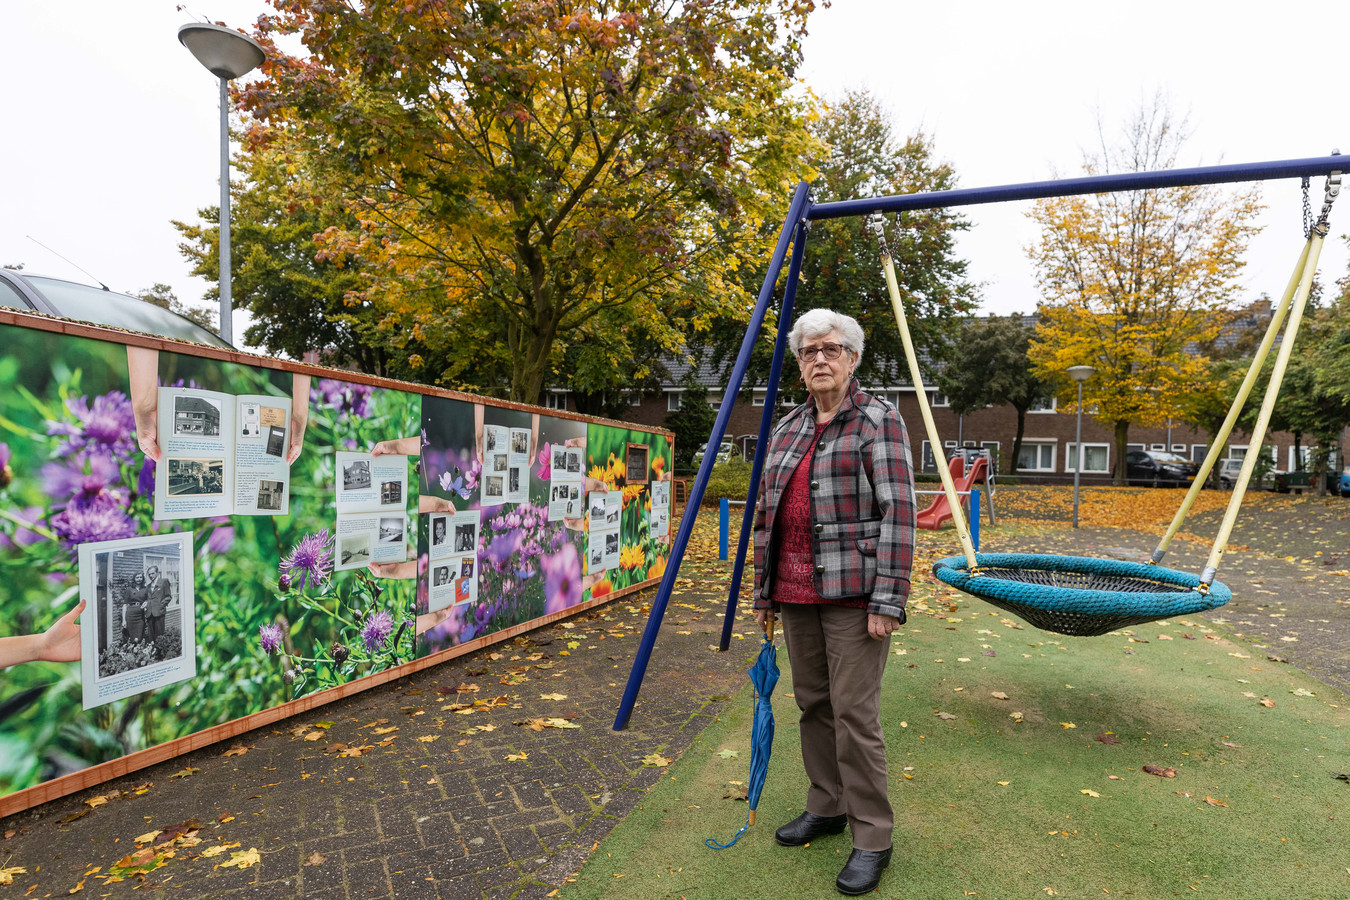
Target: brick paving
452, 817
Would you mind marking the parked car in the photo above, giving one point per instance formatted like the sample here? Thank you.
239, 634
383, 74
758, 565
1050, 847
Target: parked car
72, 300
1157, 468
724, 452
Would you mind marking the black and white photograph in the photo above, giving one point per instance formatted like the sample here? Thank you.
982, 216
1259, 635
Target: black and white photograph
574, 461
520, 442
250, 422
440, 575
559, 492
465, 539
490, 441
270, 494
499, 462
466, 568
137, 632
493, 486
559, 459
391, 493
598, 506
391, 529
195, 417
513, 481
597, 560
276, 441
575, 491
438, 530
356, 475
612, 516
354, 550
204, 477
612, 542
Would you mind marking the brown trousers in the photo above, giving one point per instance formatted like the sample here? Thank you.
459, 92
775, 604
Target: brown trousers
836, 679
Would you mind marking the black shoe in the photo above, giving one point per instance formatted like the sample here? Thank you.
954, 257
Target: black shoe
809, 826
862, 873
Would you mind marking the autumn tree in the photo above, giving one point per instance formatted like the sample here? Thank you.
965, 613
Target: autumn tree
989, 366
534, 184
298, 302
1133, 280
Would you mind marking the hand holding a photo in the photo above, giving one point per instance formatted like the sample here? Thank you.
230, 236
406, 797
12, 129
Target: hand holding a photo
143, 375
299, 416
408, 446
60, 643
397, 571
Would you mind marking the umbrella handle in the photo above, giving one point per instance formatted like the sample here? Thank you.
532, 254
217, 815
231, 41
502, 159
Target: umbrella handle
768, 633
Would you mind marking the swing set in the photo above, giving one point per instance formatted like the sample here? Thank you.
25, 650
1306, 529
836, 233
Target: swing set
1072, 595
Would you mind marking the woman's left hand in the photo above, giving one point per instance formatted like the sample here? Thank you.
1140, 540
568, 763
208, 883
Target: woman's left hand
880, 627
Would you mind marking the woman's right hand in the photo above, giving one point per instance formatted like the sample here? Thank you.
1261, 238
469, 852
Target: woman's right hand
764, 617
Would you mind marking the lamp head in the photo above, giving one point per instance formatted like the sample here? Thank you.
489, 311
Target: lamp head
1081, 373
223, 51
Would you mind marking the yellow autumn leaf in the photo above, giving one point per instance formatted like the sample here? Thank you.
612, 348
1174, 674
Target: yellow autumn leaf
1068, 724
655, 759
242, 859
217, 850
554, 696
148, 836
517, 757
7, 875
1089, 793
428, 738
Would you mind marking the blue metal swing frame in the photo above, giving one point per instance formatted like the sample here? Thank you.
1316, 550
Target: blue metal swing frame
801, 212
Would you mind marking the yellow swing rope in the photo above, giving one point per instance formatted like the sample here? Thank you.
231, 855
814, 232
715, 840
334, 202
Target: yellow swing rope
948, 486
1216, 447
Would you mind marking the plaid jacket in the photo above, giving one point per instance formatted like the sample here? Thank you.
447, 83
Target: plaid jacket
862, 502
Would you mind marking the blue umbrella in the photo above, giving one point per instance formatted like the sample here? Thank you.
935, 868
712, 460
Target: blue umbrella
764, 675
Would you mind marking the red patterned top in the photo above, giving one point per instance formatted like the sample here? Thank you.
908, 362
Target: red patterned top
794, 578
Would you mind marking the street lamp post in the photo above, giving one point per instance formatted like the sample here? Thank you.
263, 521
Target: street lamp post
227, 54
1079, 374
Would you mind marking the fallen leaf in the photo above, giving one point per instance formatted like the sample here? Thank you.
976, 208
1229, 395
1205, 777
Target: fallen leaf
324, 725
316, 858
1303, 692
77, 888
428, 738
1005, 783
1212, 802
945, 715
148, 836
242, 859
186, 773
236, 750
517, 757
1068, 724
554, 696
729, 754
1168, 772
736, 792
390, 730
655, 759
1015, 716
217, 850
998, 695
314, 736
1267, 702
1108, 737
7, 875
1089, 793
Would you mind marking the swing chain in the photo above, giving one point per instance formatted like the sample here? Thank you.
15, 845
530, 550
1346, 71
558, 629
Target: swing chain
876, 223
1307, 209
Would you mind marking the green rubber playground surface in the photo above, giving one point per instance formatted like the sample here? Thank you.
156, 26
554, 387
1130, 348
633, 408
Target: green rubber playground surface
1017, 766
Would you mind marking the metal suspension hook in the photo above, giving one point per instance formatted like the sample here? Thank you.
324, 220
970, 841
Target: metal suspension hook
876, 223
1333, 190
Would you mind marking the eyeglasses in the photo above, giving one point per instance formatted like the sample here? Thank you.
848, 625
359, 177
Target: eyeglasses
830, 351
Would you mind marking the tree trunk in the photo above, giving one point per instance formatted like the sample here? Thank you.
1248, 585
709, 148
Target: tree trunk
1122, 439
1017, 441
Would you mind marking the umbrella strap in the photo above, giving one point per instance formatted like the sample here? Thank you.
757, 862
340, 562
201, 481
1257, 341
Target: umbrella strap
713, 845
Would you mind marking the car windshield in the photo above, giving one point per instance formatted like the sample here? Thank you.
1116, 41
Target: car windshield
91, 304
1163, 456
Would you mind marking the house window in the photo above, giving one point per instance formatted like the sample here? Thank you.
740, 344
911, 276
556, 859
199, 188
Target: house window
937, 398
1043, 405
1239, 452
758, 398
1096, 458
1129, 447
1198, 452
715, 404
1158, 448
673, 400
1303, 461
1036, 456
1179, 448
555, 400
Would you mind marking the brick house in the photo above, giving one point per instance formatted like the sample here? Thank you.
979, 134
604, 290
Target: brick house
1048, 452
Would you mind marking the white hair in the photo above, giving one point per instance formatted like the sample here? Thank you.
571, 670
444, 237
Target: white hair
819, 322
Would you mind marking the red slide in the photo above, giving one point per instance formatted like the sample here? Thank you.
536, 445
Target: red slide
938, 511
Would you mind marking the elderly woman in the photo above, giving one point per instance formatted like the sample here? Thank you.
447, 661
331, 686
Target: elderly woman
133, 610
834, 542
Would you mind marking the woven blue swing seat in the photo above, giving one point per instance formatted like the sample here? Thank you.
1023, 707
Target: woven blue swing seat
1077, 595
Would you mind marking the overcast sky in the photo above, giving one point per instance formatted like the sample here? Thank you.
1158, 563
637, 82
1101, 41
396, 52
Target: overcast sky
112, 128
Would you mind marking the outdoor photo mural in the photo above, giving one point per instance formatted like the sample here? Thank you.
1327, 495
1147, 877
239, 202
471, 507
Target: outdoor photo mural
185, 542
